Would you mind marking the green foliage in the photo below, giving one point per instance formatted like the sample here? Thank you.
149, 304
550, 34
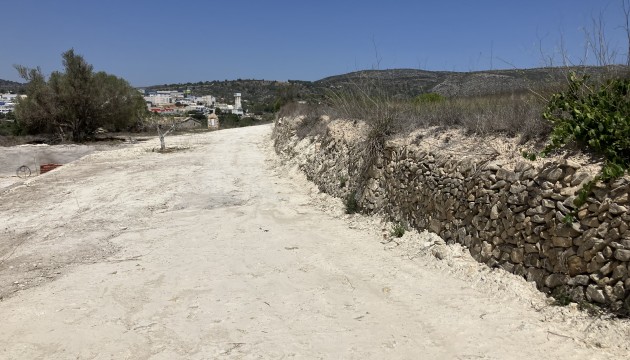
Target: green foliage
8, 128
343, 181
77, 101
229, 120
529, 156
351, 203
284, 95
597, 118
561, 296
428, 98
398, 230
197, 115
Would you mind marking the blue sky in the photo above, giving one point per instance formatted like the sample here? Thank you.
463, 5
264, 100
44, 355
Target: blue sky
157, 42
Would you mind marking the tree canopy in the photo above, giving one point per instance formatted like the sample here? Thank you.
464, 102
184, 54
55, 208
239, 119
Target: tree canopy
76, 102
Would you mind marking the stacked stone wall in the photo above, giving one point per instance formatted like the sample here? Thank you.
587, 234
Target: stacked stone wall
510, 216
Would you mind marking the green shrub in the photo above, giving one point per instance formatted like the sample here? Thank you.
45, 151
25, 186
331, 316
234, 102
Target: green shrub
398, 230
351, 203
428, 98
342, 181
561, 296
597, 118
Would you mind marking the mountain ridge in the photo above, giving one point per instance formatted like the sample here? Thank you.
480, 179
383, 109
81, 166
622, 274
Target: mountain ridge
400, 83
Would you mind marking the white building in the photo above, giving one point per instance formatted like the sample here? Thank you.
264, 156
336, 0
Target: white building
207, 100
7, 102
158, 99
237, 108
8, 97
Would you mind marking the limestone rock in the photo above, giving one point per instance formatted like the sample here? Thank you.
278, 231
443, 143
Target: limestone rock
617, 209
504, 174
576, 266
579, 280
622, 255
593, 293
565, 242
494, 212
555, 280
553, 174
517, 255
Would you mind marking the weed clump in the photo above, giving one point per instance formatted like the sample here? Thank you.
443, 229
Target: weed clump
351, 203
398, 230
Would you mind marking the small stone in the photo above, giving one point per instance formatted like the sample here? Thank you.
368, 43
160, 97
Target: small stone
590, 222
607, 252
580, 178
491, 166
548, 204
555, 280
619, 290
435, 226
504, 174
440, 252
593, 293
531, 248
560, 206
609, 293
622, 254
538, 219
553, 174
583, 214
509, 267
517, 188
576, 265
607, 268
579, 280
569, 164
517, 255
620, 272
564, 242
494, 213
568, 230
577, 295
617, 209
522, 166
498, 185
621, 199
486, 249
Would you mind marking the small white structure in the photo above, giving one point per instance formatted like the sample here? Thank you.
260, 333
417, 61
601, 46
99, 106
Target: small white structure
238, 108
237, 101
213, 121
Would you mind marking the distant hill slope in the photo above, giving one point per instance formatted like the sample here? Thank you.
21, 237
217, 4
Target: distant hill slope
11, 86
409, 82
401, 83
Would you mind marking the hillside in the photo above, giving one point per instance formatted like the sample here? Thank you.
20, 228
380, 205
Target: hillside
258, 95
406, 83
400, 83
11, 86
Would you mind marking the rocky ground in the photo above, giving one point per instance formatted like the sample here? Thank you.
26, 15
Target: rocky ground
222, 250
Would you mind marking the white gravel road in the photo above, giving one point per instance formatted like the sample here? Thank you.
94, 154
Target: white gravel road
219, 250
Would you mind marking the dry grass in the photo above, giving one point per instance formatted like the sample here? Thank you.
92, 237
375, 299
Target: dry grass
510, 115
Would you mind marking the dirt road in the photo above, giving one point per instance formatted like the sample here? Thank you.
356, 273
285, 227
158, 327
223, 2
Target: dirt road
220, 251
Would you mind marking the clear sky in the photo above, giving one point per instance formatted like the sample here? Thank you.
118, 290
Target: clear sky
157, 42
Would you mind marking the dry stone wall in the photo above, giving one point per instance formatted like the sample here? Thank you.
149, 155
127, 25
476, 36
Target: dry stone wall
507, 216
